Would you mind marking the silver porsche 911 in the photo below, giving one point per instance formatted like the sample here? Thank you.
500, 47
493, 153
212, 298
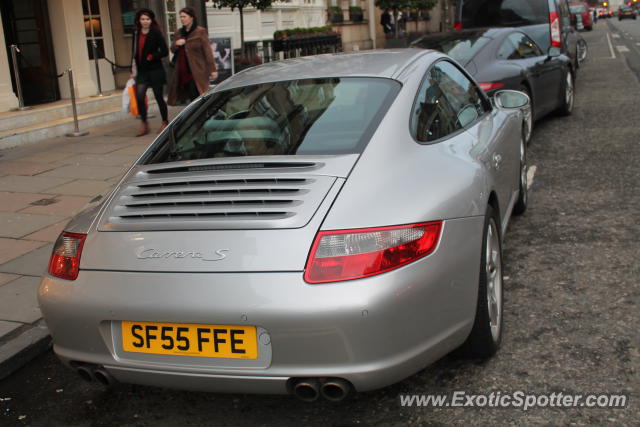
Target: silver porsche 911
313, 226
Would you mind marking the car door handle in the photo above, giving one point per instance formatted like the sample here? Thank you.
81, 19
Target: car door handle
497, 159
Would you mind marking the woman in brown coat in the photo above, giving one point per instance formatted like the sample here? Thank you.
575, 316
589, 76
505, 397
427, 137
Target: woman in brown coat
194, 63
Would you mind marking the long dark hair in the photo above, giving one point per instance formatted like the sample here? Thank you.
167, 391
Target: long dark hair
192, 13
149, 13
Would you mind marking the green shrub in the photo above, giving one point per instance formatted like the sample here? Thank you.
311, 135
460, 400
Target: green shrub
296, 33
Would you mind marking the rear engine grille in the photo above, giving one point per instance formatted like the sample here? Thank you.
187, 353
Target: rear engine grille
232, 166
240, 182
209, 215
183, 203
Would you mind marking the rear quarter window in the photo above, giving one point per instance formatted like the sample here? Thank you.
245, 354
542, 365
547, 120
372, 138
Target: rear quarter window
446, 102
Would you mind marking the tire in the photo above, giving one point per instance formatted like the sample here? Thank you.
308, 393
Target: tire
523, 185
527, 133
486, 334
590, 28
566, 106
581, 51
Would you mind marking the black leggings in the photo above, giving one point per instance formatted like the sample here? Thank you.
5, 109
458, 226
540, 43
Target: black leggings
141, 91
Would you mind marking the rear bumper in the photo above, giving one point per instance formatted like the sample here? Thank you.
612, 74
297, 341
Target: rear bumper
372, 332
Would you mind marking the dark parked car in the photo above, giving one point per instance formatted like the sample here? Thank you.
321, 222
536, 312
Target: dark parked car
626, 12
547, 22
506, 58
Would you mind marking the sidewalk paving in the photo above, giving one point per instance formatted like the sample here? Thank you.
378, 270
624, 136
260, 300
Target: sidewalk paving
42, 186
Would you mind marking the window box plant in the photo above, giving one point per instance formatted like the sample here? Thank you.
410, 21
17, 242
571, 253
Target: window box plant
355, 14
314, 38
334, 14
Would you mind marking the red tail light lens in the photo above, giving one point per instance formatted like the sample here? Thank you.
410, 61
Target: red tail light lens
353, 254
554, 20
65, 259
457, 25
490, 86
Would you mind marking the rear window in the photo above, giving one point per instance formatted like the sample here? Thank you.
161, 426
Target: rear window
578, 8
460, 47
298, 117
504, 13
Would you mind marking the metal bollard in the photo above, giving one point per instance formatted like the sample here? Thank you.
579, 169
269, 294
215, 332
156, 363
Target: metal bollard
16, 72
94, 48
76, 131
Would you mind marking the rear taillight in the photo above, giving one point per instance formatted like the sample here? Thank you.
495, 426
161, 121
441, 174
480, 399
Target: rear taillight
554, 20
65, 259
490, 86
353, 254
457, 25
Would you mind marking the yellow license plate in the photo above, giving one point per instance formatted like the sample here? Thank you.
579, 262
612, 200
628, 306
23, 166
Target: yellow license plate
222, 341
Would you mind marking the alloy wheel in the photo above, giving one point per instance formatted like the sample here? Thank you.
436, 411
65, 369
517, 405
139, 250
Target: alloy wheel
527, 117
568, 92
523, 172
527, 126
493, 263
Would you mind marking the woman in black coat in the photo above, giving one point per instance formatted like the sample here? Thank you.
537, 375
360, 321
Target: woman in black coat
149, 47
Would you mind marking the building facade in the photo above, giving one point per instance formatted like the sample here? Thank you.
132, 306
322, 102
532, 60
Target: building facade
259, 26
87, 36
94, 38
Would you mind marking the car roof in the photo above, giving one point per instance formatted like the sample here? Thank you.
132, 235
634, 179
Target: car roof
495, 35
387, 63
489, 32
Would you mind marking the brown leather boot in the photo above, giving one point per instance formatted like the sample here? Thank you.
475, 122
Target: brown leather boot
163, 125
144, 129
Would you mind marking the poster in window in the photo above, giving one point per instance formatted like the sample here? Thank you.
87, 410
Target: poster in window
128, 9
223, 55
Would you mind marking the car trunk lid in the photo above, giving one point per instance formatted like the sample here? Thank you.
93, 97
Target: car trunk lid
220, 216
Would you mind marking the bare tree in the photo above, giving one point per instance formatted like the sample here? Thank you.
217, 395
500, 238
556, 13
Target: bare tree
241, 5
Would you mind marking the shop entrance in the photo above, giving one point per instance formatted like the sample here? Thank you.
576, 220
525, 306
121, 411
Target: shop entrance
26, 24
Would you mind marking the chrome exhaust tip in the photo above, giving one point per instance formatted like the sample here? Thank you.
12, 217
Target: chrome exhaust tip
307, 390
335, 389
103, 377
85, 373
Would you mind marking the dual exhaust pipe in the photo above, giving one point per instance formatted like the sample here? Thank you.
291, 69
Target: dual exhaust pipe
310, 389
90, 373
305, 389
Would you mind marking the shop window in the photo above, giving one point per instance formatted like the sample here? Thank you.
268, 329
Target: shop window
93, 27
129, 8
171, 17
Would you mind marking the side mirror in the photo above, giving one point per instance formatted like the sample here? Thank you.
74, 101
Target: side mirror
511, 99
553, 52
